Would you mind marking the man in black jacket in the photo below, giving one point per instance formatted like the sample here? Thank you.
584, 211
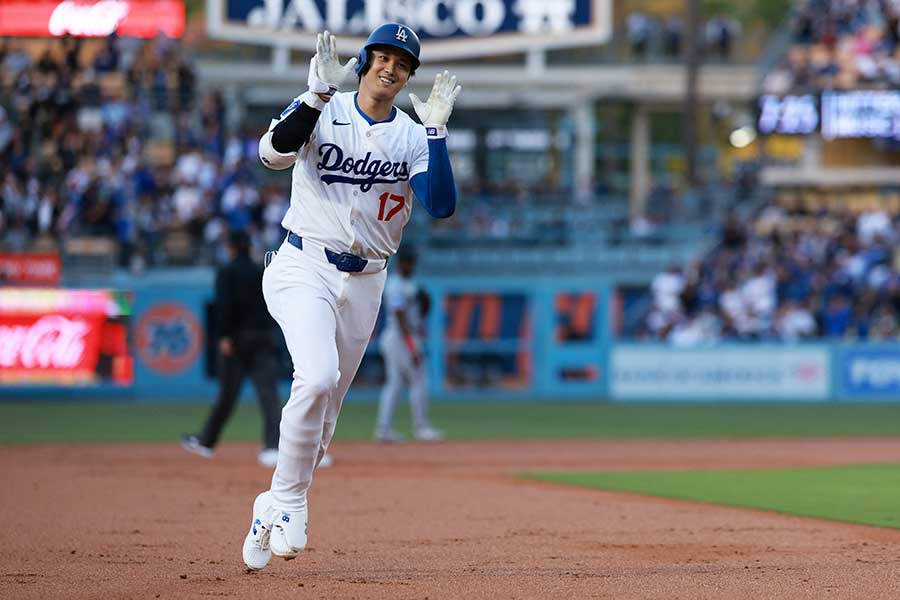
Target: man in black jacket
247, 347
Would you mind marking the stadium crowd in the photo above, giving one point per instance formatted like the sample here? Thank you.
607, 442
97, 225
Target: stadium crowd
794, 271
114, 141
840, 44
111, 139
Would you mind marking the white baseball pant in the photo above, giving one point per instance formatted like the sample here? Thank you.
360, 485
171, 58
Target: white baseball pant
327, 317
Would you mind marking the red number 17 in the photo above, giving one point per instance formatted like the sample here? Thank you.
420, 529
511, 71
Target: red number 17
384, 198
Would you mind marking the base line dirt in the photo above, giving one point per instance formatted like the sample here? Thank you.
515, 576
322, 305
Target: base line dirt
418, 521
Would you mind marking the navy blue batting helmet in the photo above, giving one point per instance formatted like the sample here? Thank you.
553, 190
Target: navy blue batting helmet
391, 34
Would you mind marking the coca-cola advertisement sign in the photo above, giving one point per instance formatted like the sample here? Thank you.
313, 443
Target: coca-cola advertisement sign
50, 343
92, 18
64, 337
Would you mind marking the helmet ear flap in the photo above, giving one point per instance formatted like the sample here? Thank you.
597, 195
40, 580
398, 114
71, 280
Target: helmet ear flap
361, 61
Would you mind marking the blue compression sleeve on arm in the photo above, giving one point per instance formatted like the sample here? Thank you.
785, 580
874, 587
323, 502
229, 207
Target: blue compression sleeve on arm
435, 188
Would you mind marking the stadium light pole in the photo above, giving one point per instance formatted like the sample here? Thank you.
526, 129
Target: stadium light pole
692, 66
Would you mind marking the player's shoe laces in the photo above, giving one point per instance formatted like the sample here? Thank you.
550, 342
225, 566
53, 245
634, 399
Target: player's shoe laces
289, 530
257, 551
429, 434
192, 444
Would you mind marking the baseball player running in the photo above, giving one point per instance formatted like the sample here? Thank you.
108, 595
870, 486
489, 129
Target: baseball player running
401, 348
357, 162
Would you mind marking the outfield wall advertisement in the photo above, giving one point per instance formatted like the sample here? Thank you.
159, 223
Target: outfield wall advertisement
92, 18
722, 373
488, 338
64, 337
869, 372
30, 268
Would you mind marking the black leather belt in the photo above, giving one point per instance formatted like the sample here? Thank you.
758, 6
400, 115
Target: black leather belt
343, 261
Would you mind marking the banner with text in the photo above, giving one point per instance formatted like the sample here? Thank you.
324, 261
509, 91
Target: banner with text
764, 373
869, 372
850, 114
448, 28
30, 268
58, 337
92, 18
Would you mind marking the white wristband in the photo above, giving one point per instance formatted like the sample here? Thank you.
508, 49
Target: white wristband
436, 132
313, 101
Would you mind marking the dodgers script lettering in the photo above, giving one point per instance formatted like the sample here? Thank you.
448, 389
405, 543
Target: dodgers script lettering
364, 172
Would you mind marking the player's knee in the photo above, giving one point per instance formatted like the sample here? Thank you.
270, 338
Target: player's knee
319, 384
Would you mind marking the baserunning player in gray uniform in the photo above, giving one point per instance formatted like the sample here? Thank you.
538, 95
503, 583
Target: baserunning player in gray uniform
357, 162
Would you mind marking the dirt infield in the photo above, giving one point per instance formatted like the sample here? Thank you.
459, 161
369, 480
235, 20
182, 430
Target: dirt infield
413, 521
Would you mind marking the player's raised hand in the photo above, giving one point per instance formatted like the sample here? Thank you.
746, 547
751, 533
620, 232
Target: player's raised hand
326, 73
435, 112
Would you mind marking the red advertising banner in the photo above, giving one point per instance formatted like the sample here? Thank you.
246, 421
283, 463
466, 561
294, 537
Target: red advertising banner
30, 268
64, 337
92, 18
45, 347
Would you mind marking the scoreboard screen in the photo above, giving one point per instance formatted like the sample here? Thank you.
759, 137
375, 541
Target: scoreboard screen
836, 115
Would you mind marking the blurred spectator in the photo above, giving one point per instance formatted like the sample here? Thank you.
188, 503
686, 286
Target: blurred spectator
674, 33
640, 28
667, 288
794, 322
239, 202
884, 324
15, 60
719, 35
836, 317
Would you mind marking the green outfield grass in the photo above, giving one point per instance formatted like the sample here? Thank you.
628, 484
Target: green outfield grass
108, 421
864, 494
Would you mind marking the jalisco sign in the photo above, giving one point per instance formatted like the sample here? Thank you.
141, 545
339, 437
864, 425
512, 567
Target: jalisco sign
448, 28
92, 18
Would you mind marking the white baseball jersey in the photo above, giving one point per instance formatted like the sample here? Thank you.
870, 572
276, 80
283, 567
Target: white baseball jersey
350, 187
400, 294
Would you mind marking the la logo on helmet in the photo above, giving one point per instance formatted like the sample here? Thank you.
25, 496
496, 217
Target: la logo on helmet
401, 34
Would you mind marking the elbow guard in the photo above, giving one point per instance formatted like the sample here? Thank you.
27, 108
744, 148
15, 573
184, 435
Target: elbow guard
290, 132
273, 159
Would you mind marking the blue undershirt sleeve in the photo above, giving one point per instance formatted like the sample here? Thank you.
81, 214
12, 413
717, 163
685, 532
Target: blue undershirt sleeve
435, 188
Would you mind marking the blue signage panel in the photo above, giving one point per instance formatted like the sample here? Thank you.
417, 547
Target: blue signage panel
870, 372
449, 29
440, 19
169, 339
852, 114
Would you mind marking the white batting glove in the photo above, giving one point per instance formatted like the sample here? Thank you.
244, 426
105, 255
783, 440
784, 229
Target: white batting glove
326, 74
435, 112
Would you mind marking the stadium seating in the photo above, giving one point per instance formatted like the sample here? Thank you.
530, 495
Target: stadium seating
810, 263
836, 44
